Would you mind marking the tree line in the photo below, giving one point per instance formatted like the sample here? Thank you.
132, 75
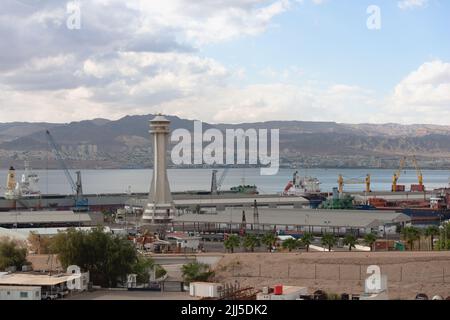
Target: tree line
108, 258
251, 241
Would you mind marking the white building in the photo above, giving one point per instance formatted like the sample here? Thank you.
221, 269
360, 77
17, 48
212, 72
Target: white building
20, 293
205, 289
184, 241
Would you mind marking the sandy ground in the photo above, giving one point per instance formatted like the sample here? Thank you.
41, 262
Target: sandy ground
408, 273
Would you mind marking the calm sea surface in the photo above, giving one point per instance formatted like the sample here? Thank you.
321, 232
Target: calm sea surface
118, 181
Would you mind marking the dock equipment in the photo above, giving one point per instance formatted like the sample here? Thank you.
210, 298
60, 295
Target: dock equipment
414, 187
81, 204
420, 186
216, 185
396, 176
365, 181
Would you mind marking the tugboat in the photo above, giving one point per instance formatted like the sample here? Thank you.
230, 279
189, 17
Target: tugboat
246, 189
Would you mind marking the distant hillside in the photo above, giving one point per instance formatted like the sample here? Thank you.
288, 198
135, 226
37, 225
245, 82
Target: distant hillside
125, 142
14, 130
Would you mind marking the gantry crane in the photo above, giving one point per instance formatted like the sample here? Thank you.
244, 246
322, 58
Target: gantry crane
396, 176
342, 182
419, 173
420, 187
414, 187
81, 204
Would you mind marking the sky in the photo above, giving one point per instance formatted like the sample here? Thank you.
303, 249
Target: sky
226, 61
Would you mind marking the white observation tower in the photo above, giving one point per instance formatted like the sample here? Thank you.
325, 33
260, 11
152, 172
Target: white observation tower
160, 208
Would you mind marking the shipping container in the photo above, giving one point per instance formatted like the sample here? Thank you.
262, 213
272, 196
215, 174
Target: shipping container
417, 188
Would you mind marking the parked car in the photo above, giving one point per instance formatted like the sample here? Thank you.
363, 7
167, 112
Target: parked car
49, 296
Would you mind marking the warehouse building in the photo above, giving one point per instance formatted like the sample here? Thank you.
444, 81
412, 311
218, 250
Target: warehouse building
33, 219
306, 220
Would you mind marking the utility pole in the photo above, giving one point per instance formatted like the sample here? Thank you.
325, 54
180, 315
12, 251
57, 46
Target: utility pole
256, 216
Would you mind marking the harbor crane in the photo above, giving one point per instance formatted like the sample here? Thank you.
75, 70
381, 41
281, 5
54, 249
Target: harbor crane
217, 184
342, 182
414, 187
81, 204
420, 187
396, 176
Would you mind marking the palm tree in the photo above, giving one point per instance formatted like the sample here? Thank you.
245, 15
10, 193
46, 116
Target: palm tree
370, 239
306, 240
329, 240
411, 234
290, 244
350, 241
269, 240
232, 242
196, 271
251, 241
431, 232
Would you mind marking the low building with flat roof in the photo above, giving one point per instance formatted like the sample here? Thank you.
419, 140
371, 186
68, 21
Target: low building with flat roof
43, 218
20, 293
312, 220
59, 284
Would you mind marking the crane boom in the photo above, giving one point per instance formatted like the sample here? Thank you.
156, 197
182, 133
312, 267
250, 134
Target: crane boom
418, 171
397, 174
222, 177
77, 187
59, 157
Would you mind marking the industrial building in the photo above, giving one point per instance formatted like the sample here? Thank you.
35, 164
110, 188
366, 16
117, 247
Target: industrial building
33, 219
310, 220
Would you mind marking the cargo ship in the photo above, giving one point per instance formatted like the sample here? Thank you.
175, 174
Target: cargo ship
305, 187
436, 209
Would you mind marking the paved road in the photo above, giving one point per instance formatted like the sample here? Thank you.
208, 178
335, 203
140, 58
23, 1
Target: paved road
130, 295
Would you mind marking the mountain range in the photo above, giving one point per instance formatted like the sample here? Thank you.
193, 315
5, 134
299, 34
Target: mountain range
125, 143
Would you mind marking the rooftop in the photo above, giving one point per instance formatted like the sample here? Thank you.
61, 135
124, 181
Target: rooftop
28, 279
303, 217
36, 217
12, 288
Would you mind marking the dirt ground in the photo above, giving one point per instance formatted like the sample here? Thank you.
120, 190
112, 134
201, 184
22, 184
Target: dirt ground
408, 273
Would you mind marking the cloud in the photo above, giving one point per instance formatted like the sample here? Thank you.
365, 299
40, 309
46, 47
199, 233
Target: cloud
410, 4
140, 57
423, 96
